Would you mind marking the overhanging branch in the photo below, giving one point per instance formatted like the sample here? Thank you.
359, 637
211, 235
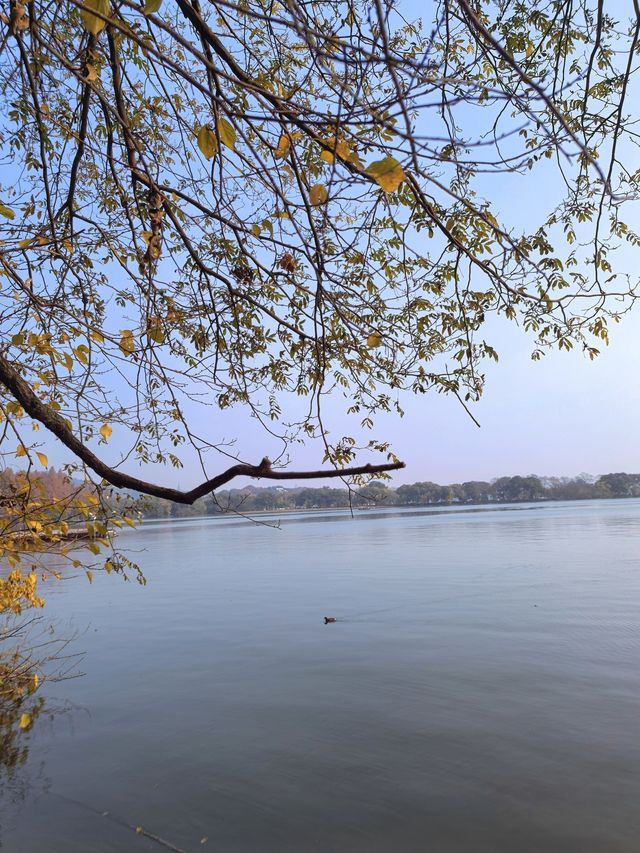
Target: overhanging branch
55, 423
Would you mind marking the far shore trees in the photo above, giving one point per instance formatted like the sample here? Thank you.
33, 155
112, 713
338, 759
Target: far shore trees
216, 204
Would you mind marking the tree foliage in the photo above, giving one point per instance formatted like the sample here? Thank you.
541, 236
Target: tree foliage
244, 203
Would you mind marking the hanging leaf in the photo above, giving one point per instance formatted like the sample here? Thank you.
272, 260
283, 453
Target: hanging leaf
227, 133
327, 156
374, 340
25, 721
318, 195
207, 142
284, 146
388, 173
152, 6
90, 73
127, 342
105, 431
43, 459
256, 230
89, 574
6, 212
21, 450
155, 332
91, 22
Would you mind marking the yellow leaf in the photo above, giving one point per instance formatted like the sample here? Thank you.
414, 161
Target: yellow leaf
127, 342
43, 459
327, 156
207, 142
89, 574
388, 173
105, 431
25, 721
128, 521
284, 146
108, 567
227, 133
21, 450
96, 336
24, 244
374, 340
91, 22
155, 332
318, 195
91, 73
256, 230
6, 212
152, 6
139, 830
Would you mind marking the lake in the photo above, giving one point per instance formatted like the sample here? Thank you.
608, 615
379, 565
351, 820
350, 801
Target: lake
479, 693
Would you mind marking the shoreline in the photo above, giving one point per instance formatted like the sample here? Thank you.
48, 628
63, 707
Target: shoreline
443, 506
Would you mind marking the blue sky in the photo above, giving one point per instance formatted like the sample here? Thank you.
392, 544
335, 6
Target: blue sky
563, 415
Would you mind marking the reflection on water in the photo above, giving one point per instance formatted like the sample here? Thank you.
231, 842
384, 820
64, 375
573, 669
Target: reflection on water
479, 691
32, 654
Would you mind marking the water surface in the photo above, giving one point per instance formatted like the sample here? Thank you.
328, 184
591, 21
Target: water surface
479, 693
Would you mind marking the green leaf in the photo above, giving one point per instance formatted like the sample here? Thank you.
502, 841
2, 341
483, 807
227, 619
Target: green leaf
227, 133
152, 6
92, 23
6, 211
207, 142
387, 173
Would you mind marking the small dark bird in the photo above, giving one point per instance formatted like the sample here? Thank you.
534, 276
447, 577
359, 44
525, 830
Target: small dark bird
328, 619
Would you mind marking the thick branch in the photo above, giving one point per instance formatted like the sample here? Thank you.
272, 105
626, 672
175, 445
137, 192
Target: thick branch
55, 423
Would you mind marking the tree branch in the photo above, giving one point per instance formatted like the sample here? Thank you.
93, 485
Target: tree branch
55, 423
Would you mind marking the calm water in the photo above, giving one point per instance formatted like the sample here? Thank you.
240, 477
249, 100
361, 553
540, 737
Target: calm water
480, 693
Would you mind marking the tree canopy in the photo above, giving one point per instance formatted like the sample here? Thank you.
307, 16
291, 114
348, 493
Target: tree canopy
256, 204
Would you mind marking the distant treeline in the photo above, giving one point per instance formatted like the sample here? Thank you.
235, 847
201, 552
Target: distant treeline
502, 490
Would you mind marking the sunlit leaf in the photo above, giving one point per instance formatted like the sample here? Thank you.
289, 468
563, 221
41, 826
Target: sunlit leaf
43, 459
127, 342
284, 146
388, 173
327, 156
106, 431
374, 340
91, 22
25, 721
227, 133
152, 6
6, 211
21, 450
318, 194
89, 575
207, 142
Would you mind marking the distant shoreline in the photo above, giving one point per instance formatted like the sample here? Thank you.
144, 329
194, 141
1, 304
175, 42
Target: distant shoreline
356, 509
